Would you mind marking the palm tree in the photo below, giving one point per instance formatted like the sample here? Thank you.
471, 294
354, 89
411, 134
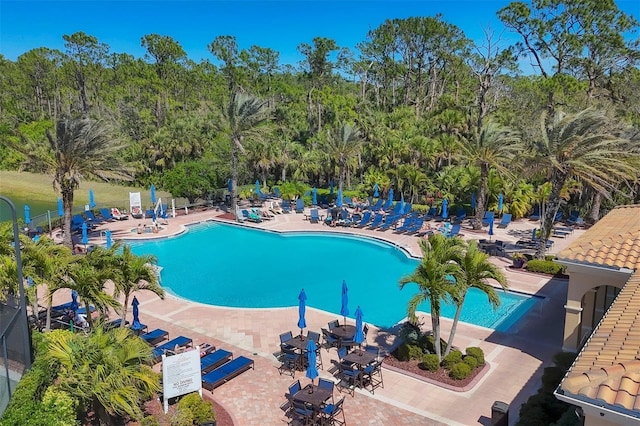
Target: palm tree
342, 146
134, 273
433, 277
475, 272
587, 146
109, 372
82, 148
240, 120
494, 147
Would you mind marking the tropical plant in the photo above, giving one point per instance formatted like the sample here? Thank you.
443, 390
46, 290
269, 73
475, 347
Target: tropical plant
107, 371
433, 277
476, 271
342, 146
82, 148
589, 146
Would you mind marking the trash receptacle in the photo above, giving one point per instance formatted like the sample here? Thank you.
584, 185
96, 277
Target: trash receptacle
500, 414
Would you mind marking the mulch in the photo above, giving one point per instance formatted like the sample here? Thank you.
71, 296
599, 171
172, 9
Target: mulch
154, 408
441, 376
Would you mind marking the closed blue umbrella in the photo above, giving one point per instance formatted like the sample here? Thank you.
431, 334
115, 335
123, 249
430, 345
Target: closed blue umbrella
391, 194
490, 229
314, 194
85, 239
152, 189
331, 187
27, 211
302, 305
258, 186
229, 184
402, 203
74, 301
445, 205
312, 369
533, 233
60, 207
473, 200
359, 336
107, 234
339, 198
135, 325
376, 190
500, 202
92, 202
344, 309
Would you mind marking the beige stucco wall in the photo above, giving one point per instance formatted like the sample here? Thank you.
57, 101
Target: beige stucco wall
582, 280
602, 421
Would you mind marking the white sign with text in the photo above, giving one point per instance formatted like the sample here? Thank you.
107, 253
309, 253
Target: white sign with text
181, 375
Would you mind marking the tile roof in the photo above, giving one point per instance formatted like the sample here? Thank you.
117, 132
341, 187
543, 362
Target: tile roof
607, 369
614, 241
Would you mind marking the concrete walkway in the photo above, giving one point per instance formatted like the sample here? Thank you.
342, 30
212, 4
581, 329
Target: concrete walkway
516, 358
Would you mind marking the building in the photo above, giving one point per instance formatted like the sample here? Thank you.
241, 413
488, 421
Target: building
602, 320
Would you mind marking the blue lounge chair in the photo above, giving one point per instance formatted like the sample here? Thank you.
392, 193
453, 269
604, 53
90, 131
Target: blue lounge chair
389, 222
410, 225
106, 214
377, 206
155, 336
454, 231
366, 217
214, 360
377, 221
343, 218
433, 211
536, 213
286, 206
505, 221
226, 372
407, 208
314, 216
388, 204
488, 217
299, 205
92, 218
180, 342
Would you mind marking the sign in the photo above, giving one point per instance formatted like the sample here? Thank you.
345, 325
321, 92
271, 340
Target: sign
135, 205
181, 375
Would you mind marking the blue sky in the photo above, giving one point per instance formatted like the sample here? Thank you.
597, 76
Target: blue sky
280, 25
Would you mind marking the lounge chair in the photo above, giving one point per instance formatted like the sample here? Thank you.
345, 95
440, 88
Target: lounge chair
171, 345
92, 218
314, 216
226, 372
388, 205
377, 221
505, 221
377, 206
240, 216
251, 216
536, 213
431, 213
275, 208
343, 218
488, 217
115, 213
155, 336
389, 222
106, 214
286, 206
299, 205
214, 360
366, 217
454, 231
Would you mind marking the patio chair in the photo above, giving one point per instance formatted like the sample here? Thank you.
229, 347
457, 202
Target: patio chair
155, 336
314, 216
106, 214
226, 372
326, 384
299, 205
293, 388
389, 222
535, 215
488, 217
286, 206
214, 360
505, 221
92, 218
303, 412
349, 377
454, 231
372, 376
289, 362
173, 344
377, 221
331, 412
433, 211
115, 213
333, 324
377, 205
329, 340
240, 216
366, 217
313, 335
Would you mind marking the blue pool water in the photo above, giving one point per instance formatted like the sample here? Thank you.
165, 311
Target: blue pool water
233, 266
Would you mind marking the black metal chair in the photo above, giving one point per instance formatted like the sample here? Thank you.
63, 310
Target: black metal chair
330, 341
290, 361
372, 376
331, 412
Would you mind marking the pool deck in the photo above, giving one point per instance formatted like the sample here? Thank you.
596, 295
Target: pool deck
516, 358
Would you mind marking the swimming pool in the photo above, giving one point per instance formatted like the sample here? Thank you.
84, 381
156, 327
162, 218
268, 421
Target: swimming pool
228, 265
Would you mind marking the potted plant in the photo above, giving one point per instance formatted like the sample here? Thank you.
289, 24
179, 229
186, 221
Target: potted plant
519, 260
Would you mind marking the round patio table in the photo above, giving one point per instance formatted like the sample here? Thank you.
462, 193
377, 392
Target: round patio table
344, 331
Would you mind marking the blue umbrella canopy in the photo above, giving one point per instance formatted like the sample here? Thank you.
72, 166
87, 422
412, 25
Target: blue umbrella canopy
376, 190
85, 238
490, 229
445, 206
92, 202
312, 369
344, 309
107, 235
60, 207
136, 319
152, 189
302, 306
359, 336
27, 211
473, 200
500, 202
339, 198
314, 194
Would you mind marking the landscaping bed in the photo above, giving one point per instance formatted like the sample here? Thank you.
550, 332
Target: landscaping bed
441, 376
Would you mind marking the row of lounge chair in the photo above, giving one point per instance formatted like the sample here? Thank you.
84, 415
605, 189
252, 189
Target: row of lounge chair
217, 366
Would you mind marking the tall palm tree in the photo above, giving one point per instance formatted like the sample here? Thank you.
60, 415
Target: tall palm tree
342, 146
133, 273
493, 147
109, 372
588, 146
82, 148
475, 272
240, 120
433, 277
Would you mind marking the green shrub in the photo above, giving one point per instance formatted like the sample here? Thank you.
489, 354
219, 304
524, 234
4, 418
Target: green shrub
201, 410
415, 352
545, 267
410, 333
149, 421
460, 371
470, 361
181, 417
476, 353
453, 358
427, 342
430, 362
402, 353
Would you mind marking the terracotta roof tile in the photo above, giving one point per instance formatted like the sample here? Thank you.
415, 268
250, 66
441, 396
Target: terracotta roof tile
613, 241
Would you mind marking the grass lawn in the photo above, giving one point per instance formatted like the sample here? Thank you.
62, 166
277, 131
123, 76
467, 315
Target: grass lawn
39, 187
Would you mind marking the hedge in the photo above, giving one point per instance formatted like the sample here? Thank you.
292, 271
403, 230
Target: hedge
545, 267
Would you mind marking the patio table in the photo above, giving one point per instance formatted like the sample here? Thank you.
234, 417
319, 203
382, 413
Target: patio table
300, 344
360, 357
317, 397
344, 331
